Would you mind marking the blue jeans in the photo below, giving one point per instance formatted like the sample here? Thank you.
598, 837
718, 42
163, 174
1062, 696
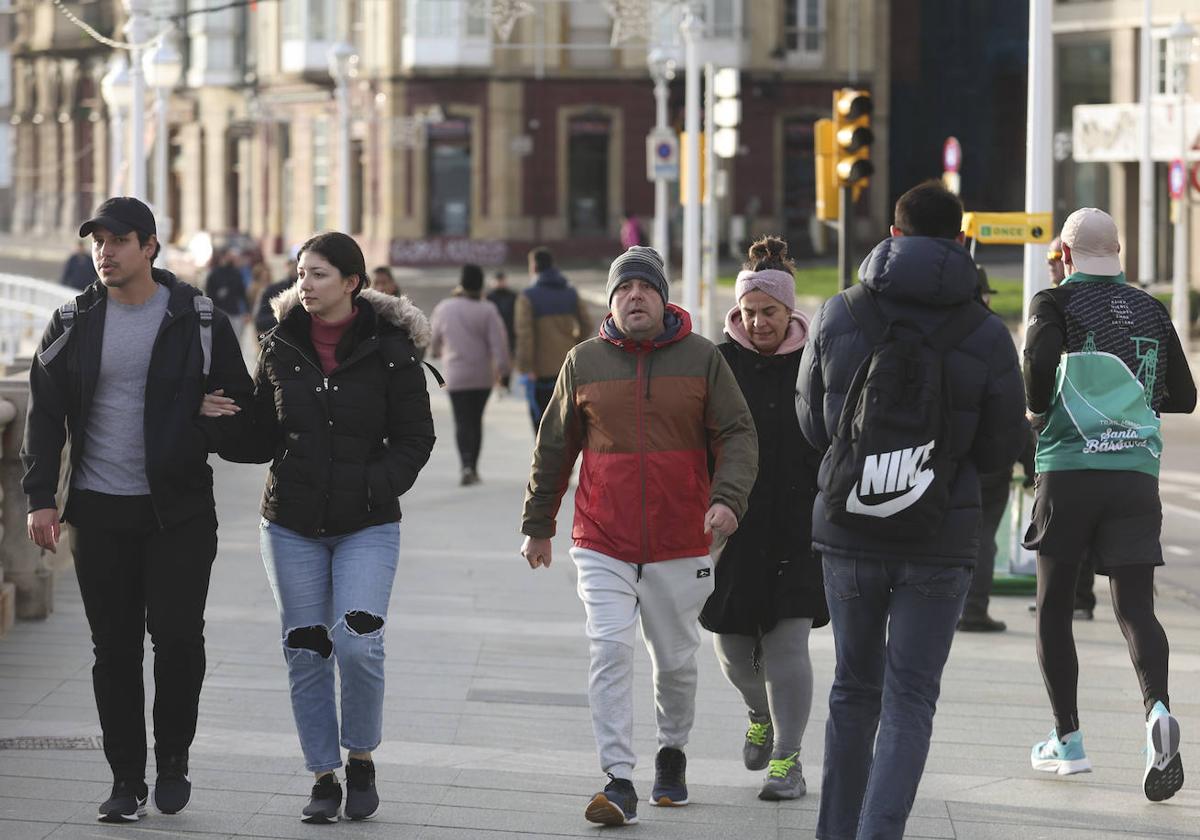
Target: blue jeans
333, 594
893, 622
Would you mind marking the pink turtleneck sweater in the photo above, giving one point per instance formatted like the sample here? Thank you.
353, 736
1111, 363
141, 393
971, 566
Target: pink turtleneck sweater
325, 337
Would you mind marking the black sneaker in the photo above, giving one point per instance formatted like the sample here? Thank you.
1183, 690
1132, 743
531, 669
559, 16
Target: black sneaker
362, 800
172, 788
981, 624
326, 798
126, 804
615, 805
670, 778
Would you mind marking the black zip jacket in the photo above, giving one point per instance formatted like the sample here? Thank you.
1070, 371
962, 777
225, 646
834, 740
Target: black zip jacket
61, 392
344, 446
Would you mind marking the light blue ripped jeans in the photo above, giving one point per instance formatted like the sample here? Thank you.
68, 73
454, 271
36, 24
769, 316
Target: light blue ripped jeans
317, 582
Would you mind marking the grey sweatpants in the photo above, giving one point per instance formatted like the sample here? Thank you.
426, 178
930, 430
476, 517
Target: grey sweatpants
781, 690
666, 600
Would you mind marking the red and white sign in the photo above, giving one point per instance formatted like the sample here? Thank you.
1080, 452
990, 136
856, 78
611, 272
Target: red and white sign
951, 154
1176, 179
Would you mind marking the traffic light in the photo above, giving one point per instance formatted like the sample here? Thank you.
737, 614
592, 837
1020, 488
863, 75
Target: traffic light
853, 137
824, 157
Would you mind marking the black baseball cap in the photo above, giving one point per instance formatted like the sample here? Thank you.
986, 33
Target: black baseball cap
121, 215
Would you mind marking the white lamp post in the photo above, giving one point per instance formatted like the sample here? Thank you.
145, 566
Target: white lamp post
136, 30
662, 70
163, 69
342, 65
693, 28
114, 87
1182, 37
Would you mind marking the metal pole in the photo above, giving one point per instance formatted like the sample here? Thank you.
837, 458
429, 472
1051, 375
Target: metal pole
691, 211
116, 149
137, 82
662, 219
161, 142
1146, 164
845, 235
1039, 172
709, 327
1180, 286
343, 154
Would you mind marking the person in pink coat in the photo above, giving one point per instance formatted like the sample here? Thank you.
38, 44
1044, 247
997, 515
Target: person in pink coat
469, 338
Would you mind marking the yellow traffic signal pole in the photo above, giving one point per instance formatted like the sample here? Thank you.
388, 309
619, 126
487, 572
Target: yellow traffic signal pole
852, 139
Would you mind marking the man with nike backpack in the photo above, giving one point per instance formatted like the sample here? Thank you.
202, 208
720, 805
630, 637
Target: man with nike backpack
1102, 362
910, 388
120, 374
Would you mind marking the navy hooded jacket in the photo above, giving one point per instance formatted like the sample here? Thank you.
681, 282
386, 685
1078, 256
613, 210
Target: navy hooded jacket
921, 280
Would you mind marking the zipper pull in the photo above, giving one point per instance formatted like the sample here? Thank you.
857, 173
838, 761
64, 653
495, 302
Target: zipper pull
326, 383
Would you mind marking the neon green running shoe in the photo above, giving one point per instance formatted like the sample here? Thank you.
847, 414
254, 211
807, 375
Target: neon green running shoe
760, 740
785, 779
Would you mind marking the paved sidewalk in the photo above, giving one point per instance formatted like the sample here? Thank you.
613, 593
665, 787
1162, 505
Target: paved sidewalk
487, 728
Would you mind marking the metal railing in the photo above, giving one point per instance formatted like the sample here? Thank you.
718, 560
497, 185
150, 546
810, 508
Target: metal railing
25, 308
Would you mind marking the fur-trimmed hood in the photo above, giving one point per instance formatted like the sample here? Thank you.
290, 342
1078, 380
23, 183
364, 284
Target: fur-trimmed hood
400, 311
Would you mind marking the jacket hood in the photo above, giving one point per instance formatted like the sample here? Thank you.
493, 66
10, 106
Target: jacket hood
793, 339
398, 311
677, 325
923, 269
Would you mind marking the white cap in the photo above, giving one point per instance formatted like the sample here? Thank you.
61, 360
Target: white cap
1091, 234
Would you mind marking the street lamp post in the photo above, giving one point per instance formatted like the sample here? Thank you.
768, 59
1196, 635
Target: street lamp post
114, 88
342, 62
163, 69
662, 69
692, 28
136, 30
1182, 37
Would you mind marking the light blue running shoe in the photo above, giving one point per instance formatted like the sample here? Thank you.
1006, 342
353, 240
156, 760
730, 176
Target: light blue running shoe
1062, 757
1164, 767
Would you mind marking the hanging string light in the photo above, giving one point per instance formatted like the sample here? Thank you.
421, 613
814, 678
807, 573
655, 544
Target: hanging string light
632, 19
503, 14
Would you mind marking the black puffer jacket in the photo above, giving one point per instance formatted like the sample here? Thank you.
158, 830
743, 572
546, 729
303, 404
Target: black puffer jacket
919, 279
767, 569
344, 446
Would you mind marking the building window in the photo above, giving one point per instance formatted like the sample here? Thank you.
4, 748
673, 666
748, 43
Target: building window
321, 164
1163, 79
589, 34
587, 159
799, 187
309, 27
804, 27
445, 33
450, 177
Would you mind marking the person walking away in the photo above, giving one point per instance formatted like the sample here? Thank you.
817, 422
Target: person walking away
631, 232
896, 518
227, 289
264, 316
768, 592
505, 301
1102, 363
468, 333
384, 282
549, 319
78, 271
995, 491
341, 411
646, 402
120, 373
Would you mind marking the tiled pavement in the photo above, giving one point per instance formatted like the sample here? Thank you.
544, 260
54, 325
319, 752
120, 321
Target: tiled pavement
487, 733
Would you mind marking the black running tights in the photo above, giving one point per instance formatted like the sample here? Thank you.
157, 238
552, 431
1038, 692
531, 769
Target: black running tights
1132, 589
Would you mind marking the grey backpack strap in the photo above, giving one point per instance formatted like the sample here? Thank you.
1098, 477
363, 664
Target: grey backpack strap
66, 314
204, 309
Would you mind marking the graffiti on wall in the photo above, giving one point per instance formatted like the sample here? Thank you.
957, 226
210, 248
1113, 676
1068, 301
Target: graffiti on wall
448, 251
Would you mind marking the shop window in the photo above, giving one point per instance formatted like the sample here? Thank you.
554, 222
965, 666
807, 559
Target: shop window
587, 156
449, 150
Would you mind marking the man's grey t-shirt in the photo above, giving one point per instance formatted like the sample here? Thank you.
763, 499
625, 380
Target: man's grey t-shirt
114, 443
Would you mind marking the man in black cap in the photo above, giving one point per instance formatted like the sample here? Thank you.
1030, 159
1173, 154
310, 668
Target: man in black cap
122, 370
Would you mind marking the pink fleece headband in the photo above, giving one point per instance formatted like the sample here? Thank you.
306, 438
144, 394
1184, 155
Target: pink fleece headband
778, 284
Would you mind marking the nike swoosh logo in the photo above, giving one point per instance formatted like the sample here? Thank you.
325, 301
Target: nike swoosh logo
882, 510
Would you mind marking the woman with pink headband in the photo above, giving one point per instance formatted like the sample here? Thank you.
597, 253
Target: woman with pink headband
769, 591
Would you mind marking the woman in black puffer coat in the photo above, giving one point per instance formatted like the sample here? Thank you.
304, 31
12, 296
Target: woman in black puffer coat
768, 591
342, 412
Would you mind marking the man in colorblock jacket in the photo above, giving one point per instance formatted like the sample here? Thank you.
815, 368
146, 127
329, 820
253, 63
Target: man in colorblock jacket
650, 405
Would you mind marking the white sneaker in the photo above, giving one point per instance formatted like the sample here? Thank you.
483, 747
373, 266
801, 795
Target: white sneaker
1164, 765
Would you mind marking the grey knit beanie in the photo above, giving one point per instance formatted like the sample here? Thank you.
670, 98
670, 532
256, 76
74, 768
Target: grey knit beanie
638, 261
